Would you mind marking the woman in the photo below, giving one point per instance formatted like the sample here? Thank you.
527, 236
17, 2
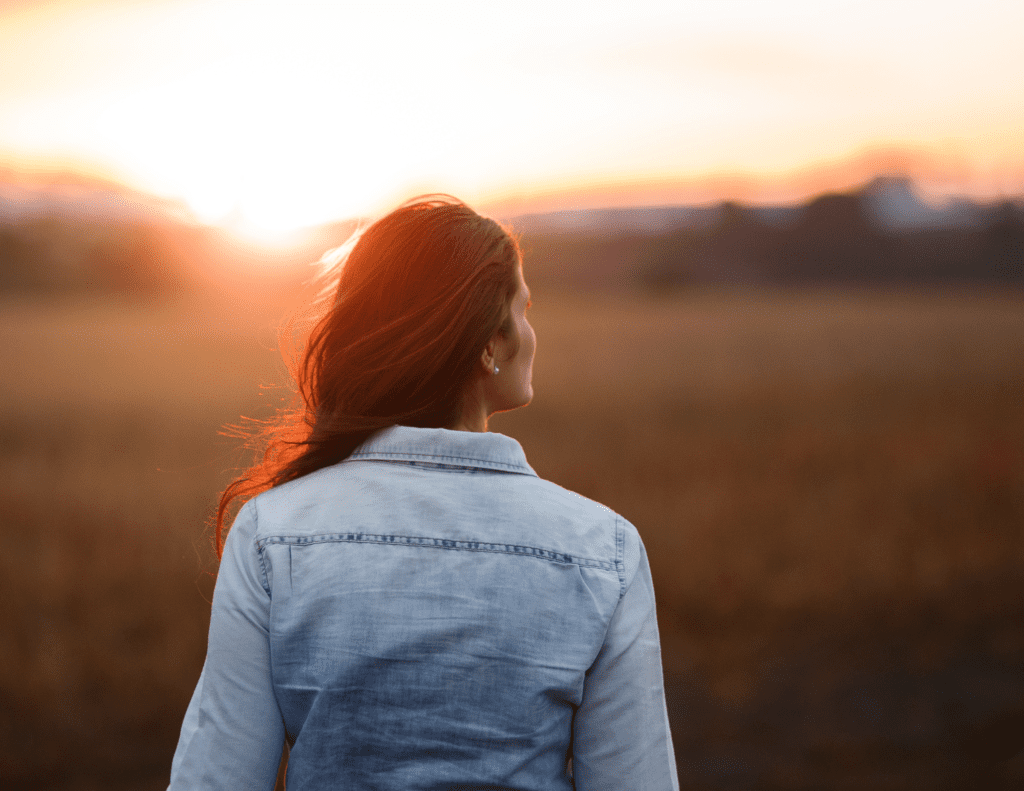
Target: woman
402, 599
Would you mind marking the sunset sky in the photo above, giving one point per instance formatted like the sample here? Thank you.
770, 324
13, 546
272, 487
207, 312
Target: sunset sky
271, 115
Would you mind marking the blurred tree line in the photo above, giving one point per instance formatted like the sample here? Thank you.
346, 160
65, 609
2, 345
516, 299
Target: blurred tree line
70, 254
66, 233
146, 256
850, 238
834, 240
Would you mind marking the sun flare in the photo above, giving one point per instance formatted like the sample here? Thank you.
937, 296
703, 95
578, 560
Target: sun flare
265, 117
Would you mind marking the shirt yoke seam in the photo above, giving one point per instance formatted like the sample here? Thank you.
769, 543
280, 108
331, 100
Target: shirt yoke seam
443, 543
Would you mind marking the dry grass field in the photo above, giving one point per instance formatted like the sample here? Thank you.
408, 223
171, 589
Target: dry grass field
830, 486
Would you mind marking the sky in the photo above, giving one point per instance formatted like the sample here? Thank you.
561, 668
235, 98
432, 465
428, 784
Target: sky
266, 116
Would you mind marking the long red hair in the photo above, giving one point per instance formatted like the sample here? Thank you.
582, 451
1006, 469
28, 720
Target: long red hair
419, 294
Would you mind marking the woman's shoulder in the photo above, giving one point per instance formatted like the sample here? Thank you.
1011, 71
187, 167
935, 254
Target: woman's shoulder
583, 505
287, 502
551, 503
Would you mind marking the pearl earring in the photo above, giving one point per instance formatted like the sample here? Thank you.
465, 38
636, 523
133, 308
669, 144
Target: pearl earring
495, 369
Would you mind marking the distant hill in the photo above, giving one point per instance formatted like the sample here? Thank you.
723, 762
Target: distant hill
67, 235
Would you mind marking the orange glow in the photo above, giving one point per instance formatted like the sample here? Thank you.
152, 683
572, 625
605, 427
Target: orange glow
267, 116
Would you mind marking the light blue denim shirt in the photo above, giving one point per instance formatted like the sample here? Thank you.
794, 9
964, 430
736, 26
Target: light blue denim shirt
429, 614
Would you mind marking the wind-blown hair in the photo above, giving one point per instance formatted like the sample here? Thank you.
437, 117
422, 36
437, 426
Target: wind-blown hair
420, 293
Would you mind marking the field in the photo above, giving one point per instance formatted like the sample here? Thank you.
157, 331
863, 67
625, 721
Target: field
830, 486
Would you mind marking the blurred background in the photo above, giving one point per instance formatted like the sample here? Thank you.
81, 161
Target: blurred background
777, 256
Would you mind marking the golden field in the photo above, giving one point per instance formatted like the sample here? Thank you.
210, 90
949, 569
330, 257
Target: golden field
830, 486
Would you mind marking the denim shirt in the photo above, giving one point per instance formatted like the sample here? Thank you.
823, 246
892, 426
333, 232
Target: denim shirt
430, 614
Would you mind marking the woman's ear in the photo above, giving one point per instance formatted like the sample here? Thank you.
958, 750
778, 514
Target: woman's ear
487, 356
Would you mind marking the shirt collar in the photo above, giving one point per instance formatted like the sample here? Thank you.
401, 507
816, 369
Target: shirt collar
441, 446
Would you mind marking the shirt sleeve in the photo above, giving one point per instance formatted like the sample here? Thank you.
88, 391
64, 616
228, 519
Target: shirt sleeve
621, 736
233, 733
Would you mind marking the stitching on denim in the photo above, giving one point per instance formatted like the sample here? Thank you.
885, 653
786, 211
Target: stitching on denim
435, 465
442, 543
265, 582
473, 462
620, 551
